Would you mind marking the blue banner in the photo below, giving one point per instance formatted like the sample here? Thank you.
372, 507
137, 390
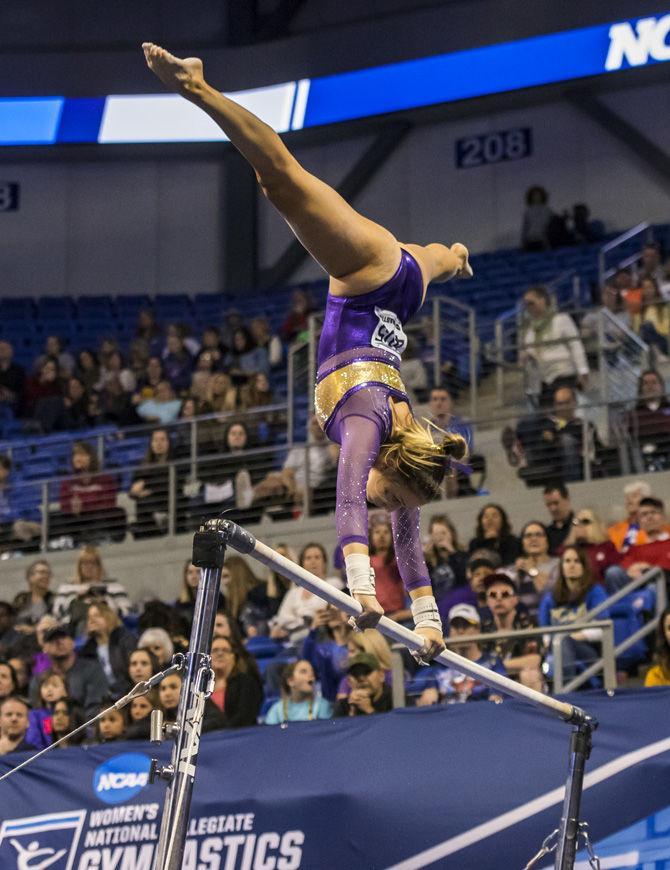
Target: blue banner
476, 785
461, 75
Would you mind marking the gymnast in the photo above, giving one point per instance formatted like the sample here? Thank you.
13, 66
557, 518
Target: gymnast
376, 285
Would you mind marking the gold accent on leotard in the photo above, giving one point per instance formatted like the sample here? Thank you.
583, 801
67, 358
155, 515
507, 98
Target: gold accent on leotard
334, 388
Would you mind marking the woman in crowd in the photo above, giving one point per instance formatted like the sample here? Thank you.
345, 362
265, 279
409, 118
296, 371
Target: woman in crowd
386, 455
43, 394
87, 369
110, 643
659, 673
158, 642
148, 330
573, 595
238, 582
187, 592
238, 690
388, 582
150, 487
536, 219
51, 688
326, 648
112, 726
113, 368
148, 382
244, 357
66, 717
300, 701
142, 664
589, 533
297, 317
297, 610
447, 561
494, 532
536, 569
139, 715
90, 583
259, 327
88, 501
75, 405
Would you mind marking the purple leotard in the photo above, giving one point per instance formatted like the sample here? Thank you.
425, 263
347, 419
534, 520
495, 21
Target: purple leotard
359, 358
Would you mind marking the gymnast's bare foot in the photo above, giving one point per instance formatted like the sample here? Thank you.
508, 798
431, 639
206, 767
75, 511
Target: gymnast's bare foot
372, 612
465, 269
180, 75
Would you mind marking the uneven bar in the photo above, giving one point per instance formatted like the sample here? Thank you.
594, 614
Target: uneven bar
244, 542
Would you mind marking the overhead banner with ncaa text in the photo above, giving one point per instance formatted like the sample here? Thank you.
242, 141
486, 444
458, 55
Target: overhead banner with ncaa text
477, 785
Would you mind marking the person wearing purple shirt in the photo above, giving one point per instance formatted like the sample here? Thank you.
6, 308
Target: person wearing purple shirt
376, 285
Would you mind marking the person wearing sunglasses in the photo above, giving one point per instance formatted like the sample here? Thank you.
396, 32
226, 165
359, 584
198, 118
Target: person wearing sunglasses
522, 657
588, 532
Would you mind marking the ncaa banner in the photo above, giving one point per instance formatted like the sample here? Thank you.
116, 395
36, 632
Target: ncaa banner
477, 785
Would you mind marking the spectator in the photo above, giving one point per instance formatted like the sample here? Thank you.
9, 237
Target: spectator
113, 368
536, 570
8, 682
88, 501
243, 358
110, 643
442, 415
76, 404
139, 716
589, 533
205, 366
160, 614
641, 557
238, 582
51, 688
90, 583
221, 394
39, 661
116, 406
12, 379
158, 642
238, 690
37, 601
659, 673
572, 597
653, 321
650, 264
264, 600
389, 587
53, 349
325, 648
143, 664
87, 369
299, 701
13, 726
111, 726
373, 643
8, 634
551, 346
84, 677
626, 533
451, 685
521, 657
19, 524
163, 408
150, 487
211, 343
297, 319
43, 395
584, 230
369, 693
257, 392
148, 329
138, 356
649, 423
67, 716
177, 363
288, 486
445, 558
147, 384
557, 502
263, 338
536, 219
299, 605
611, 304
494, 532
480, 564
22, 672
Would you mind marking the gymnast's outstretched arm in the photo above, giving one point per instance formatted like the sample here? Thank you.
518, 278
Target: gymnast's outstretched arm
344, 242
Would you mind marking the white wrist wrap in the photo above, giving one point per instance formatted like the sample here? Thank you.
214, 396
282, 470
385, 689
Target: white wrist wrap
425, 613
360, 575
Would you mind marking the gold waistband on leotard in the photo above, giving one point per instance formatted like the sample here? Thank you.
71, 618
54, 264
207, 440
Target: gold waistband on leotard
334, 387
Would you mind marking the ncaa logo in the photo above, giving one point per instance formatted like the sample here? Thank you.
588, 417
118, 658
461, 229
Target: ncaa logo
635, 44
121, 778
39, 842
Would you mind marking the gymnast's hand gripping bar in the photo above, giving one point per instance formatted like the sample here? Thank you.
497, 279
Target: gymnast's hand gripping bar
244, 542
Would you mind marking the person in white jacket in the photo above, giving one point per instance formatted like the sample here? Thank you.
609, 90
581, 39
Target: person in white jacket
551, 349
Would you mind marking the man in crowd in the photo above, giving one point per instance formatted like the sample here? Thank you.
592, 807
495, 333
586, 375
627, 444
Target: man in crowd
654, 553
37, 600
626, 533
85, 678
649, 423
442, 414
557, 502
13, 726
369, 693
521, 657
452, 685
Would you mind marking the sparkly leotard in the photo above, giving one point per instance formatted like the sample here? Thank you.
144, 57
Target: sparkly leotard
359, 359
